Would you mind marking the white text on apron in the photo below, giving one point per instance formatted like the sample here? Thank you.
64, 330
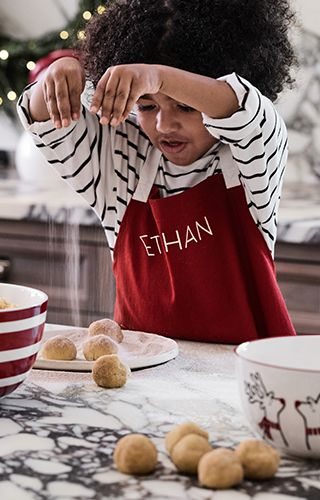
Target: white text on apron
193, 233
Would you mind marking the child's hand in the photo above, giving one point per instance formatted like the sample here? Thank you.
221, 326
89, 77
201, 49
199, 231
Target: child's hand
62, 86
119, 89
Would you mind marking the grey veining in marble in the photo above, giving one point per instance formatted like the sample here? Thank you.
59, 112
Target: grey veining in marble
58, 432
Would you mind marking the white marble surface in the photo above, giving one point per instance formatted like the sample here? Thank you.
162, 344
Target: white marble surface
20, 201
58, 431
299, 216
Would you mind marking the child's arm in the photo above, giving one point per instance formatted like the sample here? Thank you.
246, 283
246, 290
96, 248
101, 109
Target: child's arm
87, 155
57, 94
215, 98
121, 86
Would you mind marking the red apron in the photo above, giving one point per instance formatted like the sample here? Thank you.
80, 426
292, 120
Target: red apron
194, 266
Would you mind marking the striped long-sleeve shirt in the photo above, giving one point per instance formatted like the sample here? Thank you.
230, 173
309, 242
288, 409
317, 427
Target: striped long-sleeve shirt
102, 163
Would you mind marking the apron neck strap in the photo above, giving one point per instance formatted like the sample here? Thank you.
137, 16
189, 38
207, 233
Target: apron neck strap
229, 168
148, 175
149, 171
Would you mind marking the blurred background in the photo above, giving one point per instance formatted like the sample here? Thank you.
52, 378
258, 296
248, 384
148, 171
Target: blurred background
37, 208
38, 30
32, 34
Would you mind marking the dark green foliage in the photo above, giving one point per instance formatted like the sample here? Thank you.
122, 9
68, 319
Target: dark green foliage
13, 71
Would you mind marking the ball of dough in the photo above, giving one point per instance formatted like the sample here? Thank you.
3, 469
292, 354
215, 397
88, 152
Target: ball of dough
220, 469
180, 431
135, 454
259, 460
97, 346
108, 371
188, 451
59, 347
107, 327
5, 304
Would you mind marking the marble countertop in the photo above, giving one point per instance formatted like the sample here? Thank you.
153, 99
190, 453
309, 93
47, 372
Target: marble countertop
58, 431
21, 201
299, 215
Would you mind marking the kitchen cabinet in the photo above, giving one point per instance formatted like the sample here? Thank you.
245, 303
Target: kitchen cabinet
298, 273
70, 263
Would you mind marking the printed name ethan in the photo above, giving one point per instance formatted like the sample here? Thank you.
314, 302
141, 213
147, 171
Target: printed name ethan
193, 233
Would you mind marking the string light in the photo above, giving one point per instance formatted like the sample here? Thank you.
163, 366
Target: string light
86, 15
89, 8
64, 35
11, 95
4, 54
81, 35
30, 65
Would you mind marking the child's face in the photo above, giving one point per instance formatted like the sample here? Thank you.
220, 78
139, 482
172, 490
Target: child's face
174, 128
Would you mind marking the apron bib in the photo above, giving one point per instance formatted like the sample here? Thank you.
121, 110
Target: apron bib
194, 266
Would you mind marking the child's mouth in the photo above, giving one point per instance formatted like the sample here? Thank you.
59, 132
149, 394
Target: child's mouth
172, 146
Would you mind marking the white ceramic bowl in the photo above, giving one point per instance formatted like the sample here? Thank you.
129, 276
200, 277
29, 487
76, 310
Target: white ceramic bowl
21, 330
279, 383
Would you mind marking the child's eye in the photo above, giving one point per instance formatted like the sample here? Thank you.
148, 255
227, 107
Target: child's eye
186, 109
145, 107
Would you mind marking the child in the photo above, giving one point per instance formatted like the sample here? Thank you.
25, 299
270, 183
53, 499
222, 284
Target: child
181, 155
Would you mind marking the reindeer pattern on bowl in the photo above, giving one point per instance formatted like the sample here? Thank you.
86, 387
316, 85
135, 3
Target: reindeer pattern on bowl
309, 409
268, 405
279, 388
271, 413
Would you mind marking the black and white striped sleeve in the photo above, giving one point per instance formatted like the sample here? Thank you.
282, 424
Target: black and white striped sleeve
100, 163
76, 152
257, 137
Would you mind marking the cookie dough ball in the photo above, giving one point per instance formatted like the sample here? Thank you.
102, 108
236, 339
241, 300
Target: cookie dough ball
5, 304
109, 371
107, 327
220, 469
97, 346
59, 347
188, 451
259, 460
180, 431
135, 454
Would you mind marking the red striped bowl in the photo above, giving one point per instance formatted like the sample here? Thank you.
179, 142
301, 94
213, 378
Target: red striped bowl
21, 331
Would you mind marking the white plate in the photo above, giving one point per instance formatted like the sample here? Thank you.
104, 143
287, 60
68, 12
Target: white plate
138, 349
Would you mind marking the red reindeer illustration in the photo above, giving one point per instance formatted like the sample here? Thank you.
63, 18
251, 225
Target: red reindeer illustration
310, 413
269, 406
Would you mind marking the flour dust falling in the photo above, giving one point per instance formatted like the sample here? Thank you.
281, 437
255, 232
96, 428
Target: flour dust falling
64, 266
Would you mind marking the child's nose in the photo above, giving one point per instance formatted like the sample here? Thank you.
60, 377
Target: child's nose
166, 122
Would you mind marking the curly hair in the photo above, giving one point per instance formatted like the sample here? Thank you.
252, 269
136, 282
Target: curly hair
208, 37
